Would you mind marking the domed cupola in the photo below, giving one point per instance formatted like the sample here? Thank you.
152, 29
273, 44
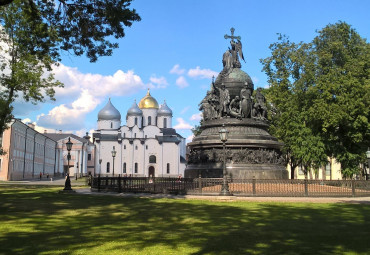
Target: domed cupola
148, 102
109, 117
134, 110
109, 112
164, 110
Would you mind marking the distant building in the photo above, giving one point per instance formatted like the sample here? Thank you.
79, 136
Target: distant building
82, 153
146, 146
331, 171
27, 153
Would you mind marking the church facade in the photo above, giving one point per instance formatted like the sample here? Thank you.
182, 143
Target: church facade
146, 146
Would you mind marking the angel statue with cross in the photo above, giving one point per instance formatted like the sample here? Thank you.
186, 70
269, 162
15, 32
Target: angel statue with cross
230, 58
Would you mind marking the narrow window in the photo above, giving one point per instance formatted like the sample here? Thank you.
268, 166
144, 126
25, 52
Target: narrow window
136, 168
149, 120
135, 135
124, 167
168, 168
146, 146
111, 125
89, 157
124, 135
135, 147
135, 121
165, 123
108, 167
152, 159
328, 169
124, 147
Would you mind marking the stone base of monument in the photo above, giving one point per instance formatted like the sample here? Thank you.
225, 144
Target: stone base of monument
237, 171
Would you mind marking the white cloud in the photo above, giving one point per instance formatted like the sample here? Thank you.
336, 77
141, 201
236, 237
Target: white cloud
158, 83
86, 91
197, 116
176, 70
181, 82
185, 110
189, 138
182, 124
201, 73
255, 80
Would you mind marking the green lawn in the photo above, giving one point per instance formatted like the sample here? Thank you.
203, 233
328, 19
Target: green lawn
38, 220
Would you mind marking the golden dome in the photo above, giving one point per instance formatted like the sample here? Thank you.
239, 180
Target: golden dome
148, 102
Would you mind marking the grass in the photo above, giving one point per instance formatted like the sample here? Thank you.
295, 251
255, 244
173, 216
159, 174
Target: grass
39, 220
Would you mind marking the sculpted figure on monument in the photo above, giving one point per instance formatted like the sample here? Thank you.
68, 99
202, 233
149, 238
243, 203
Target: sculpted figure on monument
230, 58
234, 107
224, 100
246, 101
259, 108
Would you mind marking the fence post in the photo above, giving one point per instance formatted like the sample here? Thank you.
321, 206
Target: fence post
353, 188
200, 184
99, 183
254, 185
306, 187
119, 184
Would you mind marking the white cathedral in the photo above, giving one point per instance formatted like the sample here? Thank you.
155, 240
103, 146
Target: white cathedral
146, 146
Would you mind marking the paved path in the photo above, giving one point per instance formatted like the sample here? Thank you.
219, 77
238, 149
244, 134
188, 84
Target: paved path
87, 191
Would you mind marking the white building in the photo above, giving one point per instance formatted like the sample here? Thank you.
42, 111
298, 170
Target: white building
146, 146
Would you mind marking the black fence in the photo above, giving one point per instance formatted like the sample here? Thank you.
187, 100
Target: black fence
239, 187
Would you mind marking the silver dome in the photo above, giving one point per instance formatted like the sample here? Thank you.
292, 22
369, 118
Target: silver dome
109, 112
134, 110
164, 110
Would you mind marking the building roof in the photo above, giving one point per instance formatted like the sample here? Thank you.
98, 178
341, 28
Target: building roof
164, 110
148, 102
134, 110
57, 137
109, 112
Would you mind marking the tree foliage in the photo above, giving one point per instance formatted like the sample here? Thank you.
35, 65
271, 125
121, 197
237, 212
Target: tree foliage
320, 93
35, 32
77, 26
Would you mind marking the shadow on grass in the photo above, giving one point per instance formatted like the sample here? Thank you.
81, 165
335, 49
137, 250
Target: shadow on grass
35, 220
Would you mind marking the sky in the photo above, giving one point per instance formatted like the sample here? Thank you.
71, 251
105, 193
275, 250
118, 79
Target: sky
175, 50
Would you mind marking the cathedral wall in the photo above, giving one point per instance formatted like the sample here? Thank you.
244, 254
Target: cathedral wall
161, 121
151, 131
109, 124
152, 113
131, 121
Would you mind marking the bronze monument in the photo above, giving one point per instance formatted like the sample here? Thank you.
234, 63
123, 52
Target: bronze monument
250, 150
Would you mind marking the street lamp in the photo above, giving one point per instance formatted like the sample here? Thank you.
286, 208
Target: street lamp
368, 163
67, 185
114, 152
100, 160
225, 186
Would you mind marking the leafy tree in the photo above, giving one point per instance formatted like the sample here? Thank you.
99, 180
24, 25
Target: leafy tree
197, 130
35, 32
320, 93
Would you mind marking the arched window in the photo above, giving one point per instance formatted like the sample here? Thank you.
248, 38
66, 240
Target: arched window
165, 123
135, 121
136, 168
152, 159
111, 125
149, 120
108, 167
124, 167
168, 168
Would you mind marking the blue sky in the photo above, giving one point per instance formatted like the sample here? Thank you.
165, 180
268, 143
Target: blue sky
175, 50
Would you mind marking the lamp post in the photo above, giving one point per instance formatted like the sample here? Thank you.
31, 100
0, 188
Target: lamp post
67, 185
225, 186
368, 163
100, 160
114, 152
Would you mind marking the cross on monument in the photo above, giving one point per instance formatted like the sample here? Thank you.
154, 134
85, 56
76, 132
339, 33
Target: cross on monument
232, 37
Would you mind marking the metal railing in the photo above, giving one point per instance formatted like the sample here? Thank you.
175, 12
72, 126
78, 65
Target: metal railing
238, 187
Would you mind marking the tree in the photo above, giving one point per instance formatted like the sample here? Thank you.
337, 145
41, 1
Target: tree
320, 91
80, 26
34, 32
22, 73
